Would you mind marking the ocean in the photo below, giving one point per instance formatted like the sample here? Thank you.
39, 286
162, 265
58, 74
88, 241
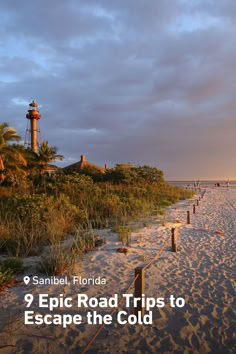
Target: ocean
232, 184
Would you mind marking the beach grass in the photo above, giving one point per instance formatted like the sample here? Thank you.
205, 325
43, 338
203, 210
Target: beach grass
9, 268
75, 204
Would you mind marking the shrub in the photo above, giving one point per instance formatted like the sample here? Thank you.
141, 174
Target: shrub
66, 203
124, 233
57, 260
129, 174
8, 268
5, 275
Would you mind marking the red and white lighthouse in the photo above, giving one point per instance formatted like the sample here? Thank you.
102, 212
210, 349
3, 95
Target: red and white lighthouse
32, 137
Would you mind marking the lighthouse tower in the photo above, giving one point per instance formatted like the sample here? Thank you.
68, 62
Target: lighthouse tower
33, 136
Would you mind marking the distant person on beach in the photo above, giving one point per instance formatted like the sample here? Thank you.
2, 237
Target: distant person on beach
227, 185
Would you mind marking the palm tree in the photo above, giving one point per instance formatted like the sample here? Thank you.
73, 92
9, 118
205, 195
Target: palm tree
11, 159
47, 154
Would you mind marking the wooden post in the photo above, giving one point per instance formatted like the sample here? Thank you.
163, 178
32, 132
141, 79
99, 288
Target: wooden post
194, 209
174, 239
188, 217
197, 202
139, 289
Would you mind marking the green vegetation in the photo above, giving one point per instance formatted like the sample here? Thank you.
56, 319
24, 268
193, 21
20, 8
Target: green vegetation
8, 268
11, 160
124, 233
38, 211
57, 260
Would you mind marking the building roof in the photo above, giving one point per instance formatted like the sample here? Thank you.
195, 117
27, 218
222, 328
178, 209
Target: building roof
83, 163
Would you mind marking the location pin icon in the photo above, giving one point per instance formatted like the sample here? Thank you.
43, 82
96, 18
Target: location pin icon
26, 280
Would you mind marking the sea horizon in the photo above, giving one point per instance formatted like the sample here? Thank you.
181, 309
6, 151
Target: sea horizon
203, 183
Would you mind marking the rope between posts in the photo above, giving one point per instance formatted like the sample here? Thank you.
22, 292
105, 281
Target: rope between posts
158, 254
121, 296
114, 310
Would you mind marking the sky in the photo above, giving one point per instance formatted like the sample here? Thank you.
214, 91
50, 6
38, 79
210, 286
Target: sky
151, 82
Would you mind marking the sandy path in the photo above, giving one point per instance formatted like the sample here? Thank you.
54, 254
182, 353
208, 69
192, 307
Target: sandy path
202, 272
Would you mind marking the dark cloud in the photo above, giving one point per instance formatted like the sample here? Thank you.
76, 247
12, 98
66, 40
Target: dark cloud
125, 81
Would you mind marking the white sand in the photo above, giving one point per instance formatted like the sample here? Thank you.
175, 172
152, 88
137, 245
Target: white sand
202, 272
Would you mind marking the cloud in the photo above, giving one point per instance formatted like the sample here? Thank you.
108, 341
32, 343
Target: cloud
143, 82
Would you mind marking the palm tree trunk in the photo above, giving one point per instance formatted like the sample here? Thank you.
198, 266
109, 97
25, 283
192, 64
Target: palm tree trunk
2, 168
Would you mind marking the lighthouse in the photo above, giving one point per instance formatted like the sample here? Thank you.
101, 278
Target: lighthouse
32, 131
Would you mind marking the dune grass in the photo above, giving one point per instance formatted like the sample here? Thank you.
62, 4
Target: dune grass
9, 268
35, 217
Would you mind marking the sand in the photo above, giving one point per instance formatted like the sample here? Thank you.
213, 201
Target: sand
202, 272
